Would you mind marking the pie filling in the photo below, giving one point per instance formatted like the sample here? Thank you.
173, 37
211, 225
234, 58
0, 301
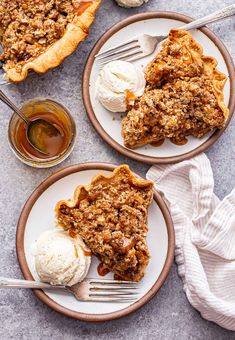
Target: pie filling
183, 95
111, 217
29, 27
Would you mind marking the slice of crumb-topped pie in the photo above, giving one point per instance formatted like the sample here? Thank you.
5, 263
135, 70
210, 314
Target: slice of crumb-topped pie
110, 214
39, 34
183, 95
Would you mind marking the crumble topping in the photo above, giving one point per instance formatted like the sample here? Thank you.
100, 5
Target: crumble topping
112, 220
28, 27
183, 95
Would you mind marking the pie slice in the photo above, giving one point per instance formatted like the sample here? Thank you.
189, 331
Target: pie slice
183, 95
39, 34
110, 214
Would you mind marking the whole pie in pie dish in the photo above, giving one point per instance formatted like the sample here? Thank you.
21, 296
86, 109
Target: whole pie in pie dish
110, 214
39, 34
183, 95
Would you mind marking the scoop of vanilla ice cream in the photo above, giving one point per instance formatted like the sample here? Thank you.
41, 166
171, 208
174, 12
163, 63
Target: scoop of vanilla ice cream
61, 259
131, 3
118, 84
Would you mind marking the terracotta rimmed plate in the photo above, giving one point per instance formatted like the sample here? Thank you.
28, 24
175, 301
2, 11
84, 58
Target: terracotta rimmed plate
108, 124
38, 216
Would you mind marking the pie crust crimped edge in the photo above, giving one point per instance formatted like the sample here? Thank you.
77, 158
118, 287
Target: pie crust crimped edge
81, 191
75, 32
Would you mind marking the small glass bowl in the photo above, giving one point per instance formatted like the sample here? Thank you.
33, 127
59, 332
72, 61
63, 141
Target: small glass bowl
40, 105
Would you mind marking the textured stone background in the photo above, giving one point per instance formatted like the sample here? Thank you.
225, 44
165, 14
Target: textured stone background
168, 315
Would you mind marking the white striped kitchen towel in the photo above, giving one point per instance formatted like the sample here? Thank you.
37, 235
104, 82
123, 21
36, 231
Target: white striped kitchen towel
205, 236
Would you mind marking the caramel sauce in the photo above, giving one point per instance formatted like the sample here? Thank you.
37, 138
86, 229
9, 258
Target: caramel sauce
158, 143
54, 144
117, 277
72, 234
182, 142
102, 269
83, 6
76, 252
86, 252
161, 141
128, 243
129, 97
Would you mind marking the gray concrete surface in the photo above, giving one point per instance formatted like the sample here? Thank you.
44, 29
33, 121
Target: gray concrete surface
168, 315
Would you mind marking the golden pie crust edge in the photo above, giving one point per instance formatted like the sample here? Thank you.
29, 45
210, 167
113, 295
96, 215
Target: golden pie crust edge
78, 193
75, 32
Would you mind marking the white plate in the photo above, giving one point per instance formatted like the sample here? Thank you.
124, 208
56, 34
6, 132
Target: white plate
38, 216
109, 124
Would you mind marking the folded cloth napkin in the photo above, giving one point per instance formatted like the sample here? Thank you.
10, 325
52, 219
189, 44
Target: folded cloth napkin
205, 236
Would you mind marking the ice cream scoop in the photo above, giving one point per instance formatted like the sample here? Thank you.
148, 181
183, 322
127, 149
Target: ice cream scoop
119, 83
131, 3
61, 259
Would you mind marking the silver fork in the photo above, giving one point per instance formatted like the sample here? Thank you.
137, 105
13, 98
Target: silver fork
96, 290
145, 45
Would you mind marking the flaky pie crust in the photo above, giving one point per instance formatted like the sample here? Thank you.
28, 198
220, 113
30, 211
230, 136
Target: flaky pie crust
75, 32
81, 189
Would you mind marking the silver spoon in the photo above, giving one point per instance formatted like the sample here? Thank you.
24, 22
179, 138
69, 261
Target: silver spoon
34, 126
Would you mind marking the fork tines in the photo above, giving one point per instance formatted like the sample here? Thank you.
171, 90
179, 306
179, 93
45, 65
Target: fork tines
131, 50
118, 48
112, 290
128, 51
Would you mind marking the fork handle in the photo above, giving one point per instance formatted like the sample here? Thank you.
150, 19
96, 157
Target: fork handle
15, 283
216, 16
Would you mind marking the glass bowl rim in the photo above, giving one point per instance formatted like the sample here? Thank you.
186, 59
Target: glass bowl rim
48, 161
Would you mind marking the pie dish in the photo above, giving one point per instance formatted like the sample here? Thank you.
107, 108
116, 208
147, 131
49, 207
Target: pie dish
110, 214
32, 223
40, 35
183, 95
109, 125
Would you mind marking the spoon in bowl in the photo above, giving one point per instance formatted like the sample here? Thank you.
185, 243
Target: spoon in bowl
36, 128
